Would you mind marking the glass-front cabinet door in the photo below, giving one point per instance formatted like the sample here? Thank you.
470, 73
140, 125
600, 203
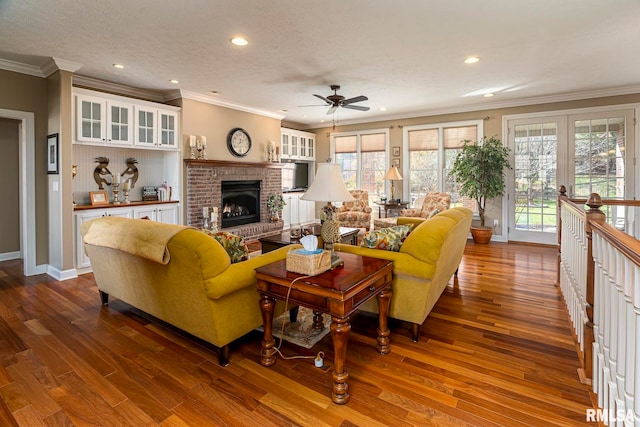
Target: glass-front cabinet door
303, 147
145, 126
311, 155
285, 146
120, 125
294, 147
168, 128
90, 119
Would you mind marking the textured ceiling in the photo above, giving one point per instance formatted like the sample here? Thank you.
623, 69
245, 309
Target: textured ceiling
404, 55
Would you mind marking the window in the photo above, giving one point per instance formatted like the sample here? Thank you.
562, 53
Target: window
362, 157
430, 151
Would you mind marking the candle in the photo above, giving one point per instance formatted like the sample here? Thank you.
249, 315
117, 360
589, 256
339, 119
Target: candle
192, 141
203, 140
117, 178
215, 210
214, 216
126, 185
205, 211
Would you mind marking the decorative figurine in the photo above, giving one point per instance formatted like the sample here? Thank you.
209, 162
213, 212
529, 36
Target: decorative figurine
100, 171
131, 173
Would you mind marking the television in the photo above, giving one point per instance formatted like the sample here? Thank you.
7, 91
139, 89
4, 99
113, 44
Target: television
295, 177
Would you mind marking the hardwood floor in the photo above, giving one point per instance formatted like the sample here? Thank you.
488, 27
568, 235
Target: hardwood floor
496, 350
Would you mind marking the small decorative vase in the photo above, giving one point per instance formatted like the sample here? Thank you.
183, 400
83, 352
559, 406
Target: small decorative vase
275, 217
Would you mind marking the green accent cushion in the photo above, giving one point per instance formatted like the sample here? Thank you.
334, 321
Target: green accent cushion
234, 245
390, 238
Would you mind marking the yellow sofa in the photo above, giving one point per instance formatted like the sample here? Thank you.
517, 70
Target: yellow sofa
427, 259
179, 275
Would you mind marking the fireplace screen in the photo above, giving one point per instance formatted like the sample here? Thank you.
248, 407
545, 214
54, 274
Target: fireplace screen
240, 203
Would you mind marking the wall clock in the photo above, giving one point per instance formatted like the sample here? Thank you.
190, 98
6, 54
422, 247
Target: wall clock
238, 142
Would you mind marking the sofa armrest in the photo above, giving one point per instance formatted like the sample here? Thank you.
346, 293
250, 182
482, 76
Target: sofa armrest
242, 274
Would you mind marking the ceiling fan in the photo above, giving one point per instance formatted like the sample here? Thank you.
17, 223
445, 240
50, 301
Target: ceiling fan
334, 101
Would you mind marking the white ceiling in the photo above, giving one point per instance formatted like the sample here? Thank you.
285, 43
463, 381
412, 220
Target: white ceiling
404, 55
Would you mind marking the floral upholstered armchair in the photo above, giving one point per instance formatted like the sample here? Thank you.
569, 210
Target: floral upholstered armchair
356, 214
432, 204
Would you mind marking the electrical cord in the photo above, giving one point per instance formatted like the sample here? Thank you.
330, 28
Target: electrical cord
320, 356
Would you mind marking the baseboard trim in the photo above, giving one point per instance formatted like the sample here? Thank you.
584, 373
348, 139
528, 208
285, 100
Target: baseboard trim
61, 275
8, 256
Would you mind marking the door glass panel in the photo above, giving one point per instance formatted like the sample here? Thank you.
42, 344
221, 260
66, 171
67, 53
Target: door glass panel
86, 110
535, 150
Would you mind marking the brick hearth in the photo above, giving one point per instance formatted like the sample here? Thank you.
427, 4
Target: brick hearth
204, 178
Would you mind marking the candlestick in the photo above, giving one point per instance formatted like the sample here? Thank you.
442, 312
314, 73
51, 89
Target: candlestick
116, 193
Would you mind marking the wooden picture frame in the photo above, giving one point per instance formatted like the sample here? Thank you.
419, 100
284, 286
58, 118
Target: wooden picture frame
395, 151
395, 163
98, 198
53, 156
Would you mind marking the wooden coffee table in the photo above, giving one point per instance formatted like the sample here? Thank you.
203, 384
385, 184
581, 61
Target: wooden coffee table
339, 293
348, 235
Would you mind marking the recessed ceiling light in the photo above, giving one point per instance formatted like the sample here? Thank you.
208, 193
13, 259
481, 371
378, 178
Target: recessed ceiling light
322, 121
174, 81
120, 66
239, 41
471, 60
215, 92
383, 108
488, 95
284, 111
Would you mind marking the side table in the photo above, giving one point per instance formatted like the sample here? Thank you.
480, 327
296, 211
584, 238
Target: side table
339, 293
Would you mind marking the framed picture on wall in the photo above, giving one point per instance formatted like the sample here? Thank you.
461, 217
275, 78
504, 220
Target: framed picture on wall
395, 162
52, 154
396, 151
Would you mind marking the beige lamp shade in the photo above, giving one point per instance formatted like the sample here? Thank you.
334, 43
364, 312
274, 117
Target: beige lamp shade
393, 174
328, 185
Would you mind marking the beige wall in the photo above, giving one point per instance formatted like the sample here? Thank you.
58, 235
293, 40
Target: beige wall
28, 93
215, 122
9, 186
492, 127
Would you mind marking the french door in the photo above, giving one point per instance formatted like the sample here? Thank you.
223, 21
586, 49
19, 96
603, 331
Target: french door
589, 152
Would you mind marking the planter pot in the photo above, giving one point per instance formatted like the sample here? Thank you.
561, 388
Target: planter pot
481, 235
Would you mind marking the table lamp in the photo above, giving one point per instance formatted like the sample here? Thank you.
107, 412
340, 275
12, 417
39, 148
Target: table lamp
328, 186
392, 175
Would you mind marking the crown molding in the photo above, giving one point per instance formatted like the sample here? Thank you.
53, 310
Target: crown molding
547, 99
55, 64
90, 82
195, 96
18, 67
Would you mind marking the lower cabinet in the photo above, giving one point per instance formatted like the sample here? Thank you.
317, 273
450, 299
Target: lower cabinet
166, 213
297, 211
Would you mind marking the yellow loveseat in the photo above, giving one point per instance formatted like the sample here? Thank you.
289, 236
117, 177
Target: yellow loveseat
427, 259
178, 275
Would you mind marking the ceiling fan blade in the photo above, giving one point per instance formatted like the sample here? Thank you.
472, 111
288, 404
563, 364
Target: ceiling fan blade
323, 98
356, 107
313, 105
332, 109
355, 99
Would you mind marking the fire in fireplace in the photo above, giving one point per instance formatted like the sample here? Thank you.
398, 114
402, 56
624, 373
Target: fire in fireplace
240, 202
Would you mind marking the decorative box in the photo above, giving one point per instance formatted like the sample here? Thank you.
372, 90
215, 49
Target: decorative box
310, 264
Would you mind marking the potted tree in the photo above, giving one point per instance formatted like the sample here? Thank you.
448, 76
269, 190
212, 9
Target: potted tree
479, 171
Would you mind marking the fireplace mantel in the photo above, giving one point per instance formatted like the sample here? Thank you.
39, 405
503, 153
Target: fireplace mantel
231, 163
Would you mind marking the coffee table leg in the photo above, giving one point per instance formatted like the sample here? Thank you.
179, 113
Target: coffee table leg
267, 305
340, 335
383, 347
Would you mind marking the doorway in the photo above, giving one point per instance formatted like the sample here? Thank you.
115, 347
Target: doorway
27, 200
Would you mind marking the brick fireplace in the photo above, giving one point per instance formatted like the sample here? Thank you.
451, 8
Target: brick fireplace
204, 189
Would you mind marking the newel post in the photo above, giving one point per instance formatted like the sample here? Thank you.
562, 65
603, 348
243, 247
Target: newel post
561, 197
593, 214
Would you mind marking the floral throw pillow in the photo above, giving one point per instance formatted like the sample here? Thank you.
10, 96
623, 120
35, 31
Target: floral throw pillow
234, 245
390, 238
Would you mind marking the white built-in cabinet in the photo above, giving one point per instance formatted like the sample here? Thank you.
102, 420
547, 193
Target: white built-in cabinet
116, 120
297, 211
297, 145
119, 127
167, 213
